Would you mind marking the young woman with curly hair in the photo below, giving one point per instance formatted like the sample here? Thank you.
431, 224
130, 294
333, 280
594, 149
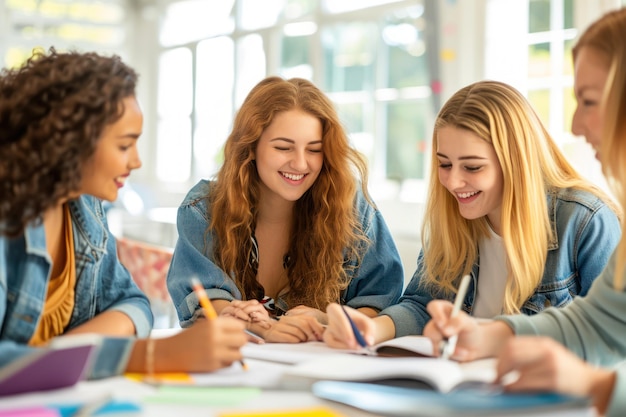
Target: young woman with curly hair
504, 207
286, 228
69, 125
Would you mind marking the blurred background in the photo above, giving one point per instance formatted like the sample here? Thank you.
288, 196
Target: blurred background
387, 65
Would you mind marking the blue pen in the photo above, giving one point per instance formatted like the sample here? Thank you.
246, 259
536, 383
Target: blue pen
357, 333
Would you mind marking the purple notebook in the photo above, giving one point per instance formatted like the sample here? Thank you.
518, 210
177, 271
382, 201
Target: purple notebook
59, 365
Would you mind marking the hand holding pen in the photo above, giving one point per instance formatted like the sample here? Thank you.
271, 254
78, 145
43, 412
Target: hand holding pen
348, 329
448, 345
207, 307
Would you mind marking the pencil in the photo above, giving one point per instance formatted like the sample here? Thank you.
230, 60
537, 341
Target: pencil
206, 305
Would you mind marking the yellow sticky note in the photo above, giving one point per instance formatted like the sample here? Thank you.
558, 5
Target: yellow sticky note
161, 378
297, 412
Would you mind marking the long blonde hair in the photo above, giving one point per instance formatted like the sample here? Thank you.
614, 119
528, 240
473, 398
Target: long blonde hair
326, 228
532, 166
607, 35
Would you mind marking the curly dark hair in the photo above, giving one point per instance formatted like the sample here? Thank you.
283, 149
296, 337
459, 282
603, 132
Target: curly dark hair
53, 110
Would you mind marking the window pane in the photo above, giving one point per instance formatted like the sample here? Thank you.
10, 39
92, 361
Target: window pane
174, 149
349, 53
538, 16
569, 106
257, 14
214, 103
568, 63
339, 6
250, 65
191, 20
539, 60
175, 83
407, 139
540, 100
298, 8
568, 14
295, 57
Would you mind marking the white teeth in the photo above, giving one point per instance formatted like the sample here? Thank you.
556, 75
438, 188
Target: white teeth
293, 177
467, 195
120, 180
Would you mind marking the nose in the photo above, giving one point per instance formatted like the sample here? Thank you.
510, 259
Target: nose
577, 126
453, 179
135, 161
299, 161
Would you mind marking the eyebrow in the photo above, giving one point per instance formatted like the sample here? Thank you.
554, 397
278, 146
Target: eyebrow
462, 158
314, 142
129, 136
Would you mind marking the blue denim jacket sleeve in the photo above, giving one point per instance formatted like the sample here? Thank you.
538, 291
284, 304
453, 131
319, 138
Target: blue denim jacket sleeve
410, 315
193, 256
378, 280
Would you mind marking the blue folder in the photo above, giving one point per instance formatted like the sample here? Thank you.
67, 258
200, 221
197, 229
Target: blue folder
400, 401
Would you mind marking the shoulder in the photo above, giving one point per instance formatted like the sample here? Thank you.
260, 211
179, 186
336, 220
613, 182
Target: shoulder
364, 206
198, 194
576, 199
87, 208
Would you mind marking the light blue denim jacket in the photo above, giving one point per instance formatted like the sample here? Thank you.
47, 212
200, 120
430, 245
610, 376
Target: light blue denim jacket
376, 283
102, 284
585, 230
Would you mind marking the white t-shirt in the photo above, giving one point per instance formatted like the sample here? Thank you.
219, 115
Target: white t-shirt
492, 275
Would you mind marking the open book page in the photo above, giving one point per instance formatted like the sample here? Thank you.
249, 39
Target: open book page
442, 375
289, 353
293, 353
405, 346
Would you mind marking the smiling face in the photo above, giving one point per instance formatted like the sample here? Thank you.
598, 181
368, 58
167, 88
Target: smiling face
591, 71
116, 155
289, 155
469, 169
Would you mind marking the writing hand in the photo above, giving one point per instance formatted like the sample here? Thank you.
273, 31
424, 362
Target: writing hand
474, 341
339, 333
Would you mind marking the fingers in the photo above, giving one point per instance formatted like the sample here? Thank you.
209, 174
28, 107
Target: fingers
308, 311
295, 330
530, 363
249, 310
339, 333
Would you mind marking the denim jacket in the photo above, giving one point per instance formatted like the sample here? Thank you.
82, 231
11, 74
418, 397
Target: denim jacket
377, 282
102, 284
585, 232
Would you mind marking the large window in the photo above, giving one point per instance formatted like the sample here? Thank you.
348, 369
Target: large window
371, 58
536, 57
26, 25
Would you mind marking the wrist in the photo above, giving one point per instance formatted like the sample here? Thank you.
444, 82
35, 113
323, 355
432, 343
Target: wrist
600, 389
496, 334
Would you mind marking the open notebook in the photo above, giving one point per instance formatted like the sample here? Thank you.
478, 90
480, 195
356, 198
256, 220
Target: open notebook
438, 374
293, 353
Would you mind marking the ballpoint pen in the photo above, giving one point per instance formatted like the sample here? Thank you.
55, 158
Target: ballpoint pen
447, 346
357, 334
206, 305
